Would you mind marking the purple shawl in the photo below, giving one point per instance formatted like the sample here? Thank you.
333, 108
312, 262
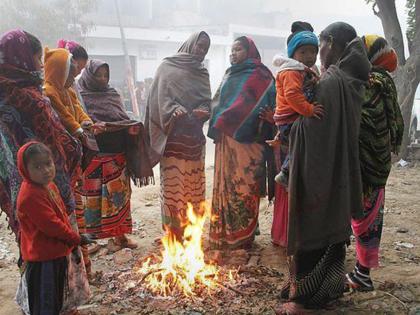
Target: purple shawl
15, 50
102, 104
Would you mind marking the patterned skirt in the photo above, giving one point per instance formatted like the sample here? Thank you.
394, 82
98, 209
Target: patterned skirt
182, 181
236, 193
103, 198
316, 277
368, 230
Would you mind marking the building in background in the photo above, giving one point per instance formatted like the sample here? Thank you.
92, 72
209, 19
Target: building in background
155, 29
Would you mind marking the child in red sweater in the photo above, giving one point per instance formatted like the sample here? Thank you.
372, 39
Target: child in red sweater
295, 87
46, 237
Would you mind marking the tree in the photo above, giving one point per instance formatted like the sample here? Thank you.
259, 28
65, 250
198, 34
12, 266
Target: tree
407, 76
49, 20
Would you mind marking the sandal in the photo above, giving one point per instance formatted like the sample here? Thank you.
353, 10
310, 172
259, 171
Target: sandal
358, 283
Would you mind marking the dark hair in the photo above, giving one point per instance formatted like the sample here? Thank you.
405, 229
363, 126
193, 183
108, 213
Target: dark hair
341, 32
34, 149
299, 26
80, 53
244, 42
35, 43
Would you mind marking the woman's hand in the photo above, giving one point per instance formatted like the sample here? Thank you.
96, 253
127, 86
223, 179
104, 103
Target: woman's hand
201, 114
86, 124
99, 127
178, 113
267, 114
319, 111
275, 142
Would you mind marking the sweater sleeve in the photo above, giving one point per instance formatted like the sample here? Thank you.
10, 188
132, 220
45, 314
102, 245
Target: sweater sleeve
293, 93
46, 219
67, 118
79, 113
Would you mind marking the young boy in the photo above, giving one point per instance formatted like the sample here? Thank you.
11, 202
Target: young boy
295, 87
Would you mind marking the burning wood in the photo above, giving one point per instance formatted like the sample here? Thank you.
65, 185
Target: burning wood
182, 268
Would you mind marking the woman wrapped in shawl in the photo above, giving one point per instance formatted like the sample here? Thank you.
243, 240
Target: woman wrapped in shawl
25, 114
325, 187
381, 131
103, 200
239, 175
177, 106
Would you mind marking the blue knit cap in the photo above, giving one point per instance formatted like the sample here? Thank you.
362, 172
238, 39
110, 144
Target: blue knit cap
300, 39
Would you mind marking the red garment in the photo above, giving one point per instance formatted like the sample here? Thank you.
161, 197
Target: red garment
290, 99
45, 230
280, 217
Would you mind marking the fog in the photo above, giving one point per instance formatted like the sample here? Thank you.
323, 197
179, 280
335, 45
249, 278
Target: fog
155, 29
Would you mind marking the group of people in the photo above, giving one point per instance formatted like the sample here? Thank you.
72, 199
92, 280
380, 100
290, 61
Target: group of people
69, 152
319, 144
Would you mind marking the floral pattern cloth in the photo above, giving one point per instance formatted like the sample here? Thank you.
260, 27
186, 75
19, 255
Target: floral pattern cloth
239, 169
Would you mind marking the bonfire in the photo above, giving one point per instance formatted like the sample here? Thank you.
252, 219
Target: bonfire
182, 268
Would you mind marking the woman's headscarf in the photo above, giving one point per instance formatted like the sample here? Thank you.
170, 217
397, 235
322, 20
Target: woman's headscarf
26, 114
181, 82
380, 53
16, 51
246, 88
102, 104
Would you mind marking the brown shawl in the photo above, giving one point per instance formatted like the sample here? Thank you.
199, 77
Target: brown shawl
325, 188
104, 105
181, 82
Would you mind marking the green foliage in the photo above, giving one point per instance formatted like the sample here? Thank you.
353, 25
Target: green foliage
49, 20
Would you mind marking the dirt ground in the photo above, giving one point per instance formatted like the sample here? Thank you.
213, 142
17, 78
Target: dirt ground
397, 281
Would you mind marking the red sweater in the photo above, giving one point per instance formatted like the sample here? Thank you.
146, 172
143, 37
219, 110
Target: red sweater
45, 230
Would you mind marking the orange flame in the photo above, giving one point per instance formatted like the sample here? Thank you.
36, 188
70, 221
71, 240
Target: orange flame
182, 267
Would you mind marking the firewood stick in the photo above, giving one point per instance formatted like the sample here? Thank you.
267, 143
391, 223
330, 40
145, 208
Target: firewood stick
148, 274
230, 288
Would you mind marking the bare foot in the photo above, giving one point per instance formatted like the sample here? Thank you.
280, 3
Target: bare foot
125, 242
290, 308
113, 246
